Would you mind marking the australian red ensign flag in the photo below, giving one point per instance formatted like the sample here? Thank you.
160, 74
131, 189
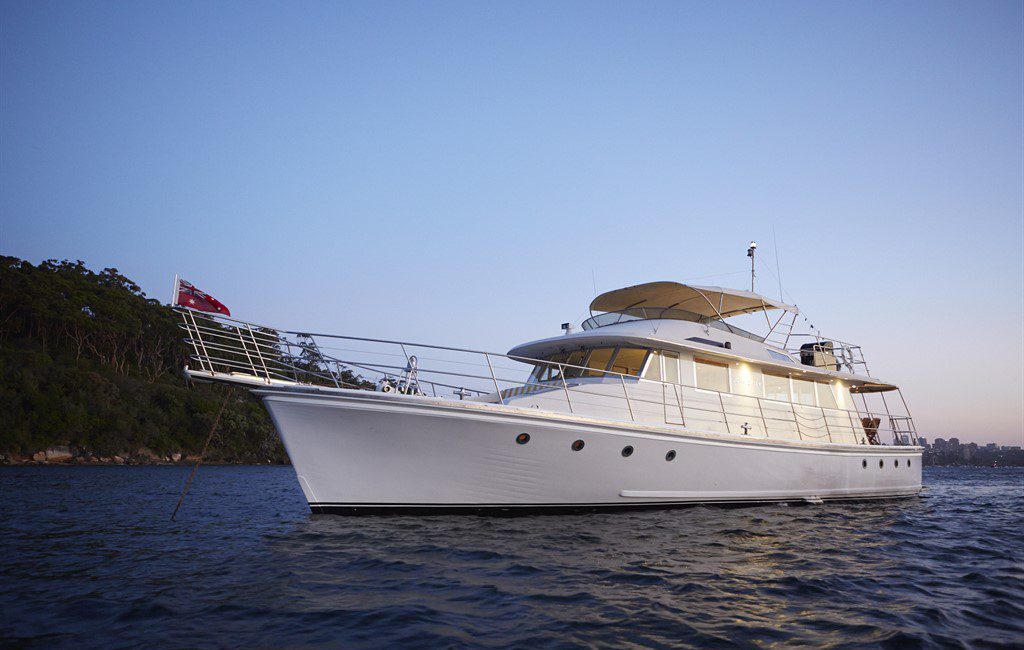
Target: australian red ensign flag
187, 295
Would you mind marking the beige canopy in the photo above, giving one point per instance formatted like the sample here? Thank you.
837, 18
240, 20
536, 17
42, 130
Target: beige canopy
711, 302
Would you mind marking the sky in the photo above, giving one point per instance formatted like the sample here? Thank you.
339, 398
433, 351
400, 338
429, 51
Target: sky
468, 173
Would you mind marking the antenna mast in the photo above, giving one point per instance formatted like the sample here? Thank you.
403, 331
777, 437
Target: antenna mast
750, 254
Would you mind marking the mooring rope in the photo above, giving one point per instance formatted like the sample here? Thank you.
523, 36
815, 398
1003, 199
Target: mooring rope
213, 429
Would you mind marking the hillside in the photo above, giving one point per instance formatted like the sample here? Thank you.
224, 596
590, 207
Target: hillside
88, 362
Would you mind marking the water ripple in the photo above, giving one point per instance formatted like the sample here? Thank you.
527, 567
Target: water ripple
88, 558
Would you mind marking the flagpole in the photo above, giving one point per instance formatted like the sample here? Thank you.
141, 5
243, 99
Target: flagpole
174, 296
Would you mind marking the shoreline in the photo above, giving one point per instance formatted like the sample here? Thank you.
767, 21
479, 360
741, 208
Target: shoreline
70, 455
8, 462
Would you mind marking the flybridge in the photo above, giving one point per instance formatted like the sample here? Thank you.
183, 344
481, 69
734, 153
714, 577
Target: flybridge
712, 306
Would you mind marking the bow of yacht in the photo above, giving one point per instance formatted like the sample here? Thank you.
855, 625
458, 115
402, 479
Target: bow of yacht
660, 399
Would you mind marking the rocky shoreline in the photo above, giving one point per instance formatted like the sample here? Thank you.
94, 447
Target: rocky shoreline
72, 455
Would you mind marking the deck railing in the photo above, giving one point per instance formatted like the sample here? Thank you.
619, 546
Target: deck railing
226, 349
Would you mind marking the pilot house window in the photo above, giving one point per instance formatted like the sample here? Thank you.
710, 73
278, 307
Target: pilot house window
629, 361
712, 375
598, 360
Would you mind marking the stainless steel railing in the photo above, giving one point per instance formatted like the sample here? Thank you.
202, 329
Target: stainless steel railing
226, 349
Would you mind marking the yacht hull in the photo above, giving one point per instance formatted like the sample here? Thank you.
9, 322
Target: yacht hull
359, 452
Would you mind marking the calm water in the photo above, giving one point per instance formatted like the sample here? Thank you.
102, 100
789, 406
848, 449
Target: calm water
90, 559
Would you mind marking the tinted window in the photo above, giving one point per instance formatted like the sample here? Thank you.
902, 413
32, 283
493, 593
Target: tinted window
598, 360
629, 361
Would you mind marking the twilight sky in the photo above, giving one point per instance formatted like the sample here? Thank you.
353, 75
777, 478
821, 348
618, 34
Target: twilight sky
464, 173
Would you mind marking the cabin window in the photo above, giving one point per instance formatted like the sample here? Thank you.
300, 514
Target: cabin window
671, 360
629, 361
598, 360
549, 371
576, 358
803, 392
653, 370
776, 387
712, 375
826, 398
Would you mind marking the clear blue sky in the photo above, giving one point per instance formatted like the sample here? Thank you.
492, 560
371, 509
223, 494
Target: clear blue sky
460, 173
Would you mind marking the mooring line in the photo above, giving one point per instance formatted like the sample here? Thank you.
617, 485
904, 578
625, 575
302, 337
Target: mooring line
213, 429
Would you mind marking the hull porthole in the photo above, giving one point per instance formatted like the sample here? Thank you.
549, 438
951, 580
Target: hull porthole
627, 451
522, 438
576, 446
671, 455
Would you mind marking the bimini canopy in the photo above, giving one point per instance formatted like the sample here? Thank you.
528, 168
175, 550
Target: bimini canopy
710, 302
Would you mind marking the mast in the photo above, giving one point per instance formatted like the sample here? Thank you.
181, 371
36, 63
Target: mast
750, 254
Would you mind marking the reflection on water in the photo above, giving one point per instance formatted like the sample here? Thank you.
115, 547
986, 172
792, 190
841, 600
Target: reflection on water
90, 559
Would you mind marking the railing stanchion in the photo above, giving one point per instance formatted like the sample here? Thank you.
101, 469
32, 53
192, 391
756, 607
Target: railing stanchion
796, 421
199, 357
259, 354
626, 394
324, 361
565, 387
764, 420
199, 337
824, 418
679, 401
725, 416
497, 390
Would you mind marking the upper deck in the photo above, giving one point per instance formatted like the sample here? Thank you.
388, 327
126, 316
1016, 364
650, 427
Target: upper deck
677, 317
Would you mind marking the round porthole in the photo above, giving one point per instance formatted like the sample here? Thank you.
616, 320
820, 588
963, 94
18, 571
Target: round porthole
627, 451
577, 445
523, 438
864, 464
671, 455
881, 464
896, 463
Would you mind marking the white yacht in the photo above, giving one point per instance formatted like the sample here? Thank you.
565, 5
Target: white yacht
659, 400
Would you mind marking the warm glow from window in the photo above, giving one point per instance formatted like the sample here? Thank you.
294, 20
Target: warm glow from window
712, 375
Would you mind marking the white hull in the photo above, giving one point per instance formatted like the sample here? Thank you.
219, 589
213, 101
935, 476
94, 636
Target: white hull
359, 451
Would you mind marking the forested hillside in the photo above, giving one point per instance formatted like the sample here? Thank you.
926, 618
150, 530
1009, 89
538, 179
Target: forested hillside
88, 361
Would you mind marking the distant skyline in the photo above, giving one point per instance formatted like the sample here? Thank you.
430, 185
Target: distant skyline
466, 173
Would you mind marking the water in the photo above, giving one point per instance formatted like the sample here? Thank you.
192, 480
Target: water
90, 559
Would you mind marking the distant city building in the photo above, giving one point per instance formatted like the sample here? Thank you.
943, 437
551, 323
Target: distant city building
952, 452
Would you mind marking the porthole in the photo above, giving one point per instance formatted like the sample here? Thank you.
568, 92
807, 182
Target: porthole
864, 463
627, 451
896, 462
523, 438
881, 464
577, 445
908, 463
671, 455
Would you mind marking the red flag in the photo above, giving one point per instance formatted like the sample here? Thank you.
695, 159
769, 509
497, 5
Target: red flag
189, 296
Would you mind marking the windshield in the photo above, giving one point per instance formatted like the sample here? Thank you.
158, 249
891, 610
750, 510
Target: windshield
592, 362
638, 313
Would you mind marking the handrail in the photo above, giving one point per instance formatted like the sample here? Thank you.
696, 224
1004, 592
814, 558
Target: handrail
214, 342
